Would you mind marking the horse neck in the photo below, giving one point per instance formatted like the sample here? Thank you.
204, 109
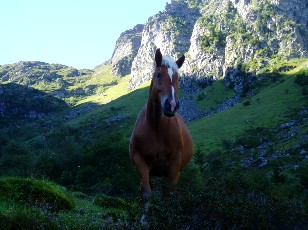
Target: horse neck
154, 110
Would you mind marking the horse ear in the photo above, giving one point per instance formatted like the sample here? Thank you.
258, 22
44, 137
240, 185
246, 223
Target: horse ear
158, 57
180, 61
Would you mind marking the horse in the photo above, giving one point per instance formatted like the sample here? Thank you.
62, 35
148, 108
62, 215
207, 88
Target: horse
161, 144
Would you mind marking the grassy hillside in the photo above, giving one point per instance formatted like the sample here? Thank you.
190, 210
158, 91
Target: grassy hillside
268, 108
249, 168
36, 204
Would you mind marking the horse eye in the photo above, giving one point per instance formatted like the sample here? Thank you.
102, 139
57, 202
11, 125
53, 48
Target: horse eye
157, 74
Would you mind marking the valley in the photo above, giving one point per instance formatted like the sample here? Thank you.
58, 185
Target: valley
64, 132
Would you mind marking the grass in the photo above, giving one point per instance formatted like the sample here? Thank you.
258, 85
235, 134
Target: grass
235, 193
127, 104
35, 193
211, 96
109, 87
268, 108
19, 208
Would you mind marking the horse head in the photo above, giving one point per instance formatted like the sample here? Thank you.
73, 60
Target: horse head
165, 82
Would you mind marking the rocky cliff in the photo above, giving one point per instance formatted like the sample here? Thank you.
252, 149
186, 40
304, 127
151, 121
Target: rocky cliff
234, 33
222, 38
169, 30
126, 49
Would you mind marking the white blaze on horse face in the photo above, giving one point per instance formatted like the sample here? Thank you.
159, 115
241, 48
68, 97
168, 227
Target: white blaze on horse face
172, 103
170, 63
170, 72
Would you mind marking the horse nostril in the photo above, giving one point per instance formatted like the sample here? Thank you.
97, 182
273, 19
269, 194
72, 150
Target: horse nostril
177, 106
167, 103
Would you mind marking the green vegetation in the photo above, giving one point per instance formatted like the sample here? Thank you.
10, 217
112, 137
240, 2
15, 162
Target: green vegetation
218, 27
227, 197
35, 193
73, 86
249, 168
64, 136
34, 204
260, 113
212, 96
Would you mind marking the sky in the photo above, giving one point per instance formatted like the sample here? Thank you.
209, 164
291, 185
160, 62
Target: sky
77, 33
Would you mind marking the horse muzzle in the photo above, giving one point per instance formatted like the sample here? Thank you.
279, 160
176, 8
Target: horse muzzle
170, 107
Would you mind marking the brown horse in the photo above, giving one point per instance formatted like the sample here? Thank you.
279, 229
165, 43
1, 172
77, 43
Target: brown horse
161, 144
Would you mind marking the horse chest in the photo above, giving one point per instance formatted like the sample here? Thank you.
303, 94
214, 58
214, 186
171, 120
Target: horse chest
160, 152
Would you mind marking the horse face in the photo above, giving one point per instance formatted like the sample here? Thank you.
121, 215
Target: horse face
165, 82
166, 86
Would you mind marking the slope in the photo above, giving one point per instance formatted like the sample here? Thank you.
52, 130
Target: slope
268, 108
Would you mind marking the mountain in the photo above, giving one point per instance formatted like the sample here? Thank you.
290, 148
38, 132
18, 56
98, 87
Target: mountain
125, 50
219, 36
170, 31
53, 78
249, 167
243, 95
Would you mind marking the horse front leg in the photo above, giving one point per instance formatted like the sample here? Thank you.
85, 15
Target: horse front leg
143, 175
172, 178
169, 184
144, 179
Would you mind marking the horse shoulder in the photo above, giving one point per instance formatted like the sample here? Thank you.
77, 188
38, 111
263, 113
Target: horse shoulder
141, 133
188, 148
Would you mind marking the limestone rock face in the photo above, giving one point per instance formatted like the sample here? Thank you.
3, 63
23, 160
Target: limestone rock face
220, 39
170, 31
201, 64
125, 50
232, 34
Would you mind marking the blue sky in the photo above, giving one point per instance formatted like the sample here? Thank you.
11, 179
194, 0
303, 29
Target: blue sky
77, 33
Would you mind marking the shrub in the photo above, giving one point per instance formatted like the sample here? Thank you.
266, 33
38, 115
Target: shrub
16, 159
246, 103
20, 217
114, 172
305, 90
236, 199
255, 137
201, 96
302, 77
109, 202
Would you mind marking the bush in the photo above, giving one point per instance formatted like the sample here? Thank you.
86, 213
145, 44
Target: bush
246, 103
305, 90
15, 159
255, 137
302, 77
20, 217
113, 172
109, 202
236, 199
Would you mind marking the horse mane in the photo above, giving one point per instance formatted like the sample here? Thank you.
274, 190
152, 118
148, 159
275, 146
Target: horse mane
169, 62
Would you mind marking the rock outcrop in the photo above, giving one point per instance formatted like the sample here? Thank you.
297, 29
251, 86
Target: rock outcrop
170, 31
230, 33
220, 39
126, 49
